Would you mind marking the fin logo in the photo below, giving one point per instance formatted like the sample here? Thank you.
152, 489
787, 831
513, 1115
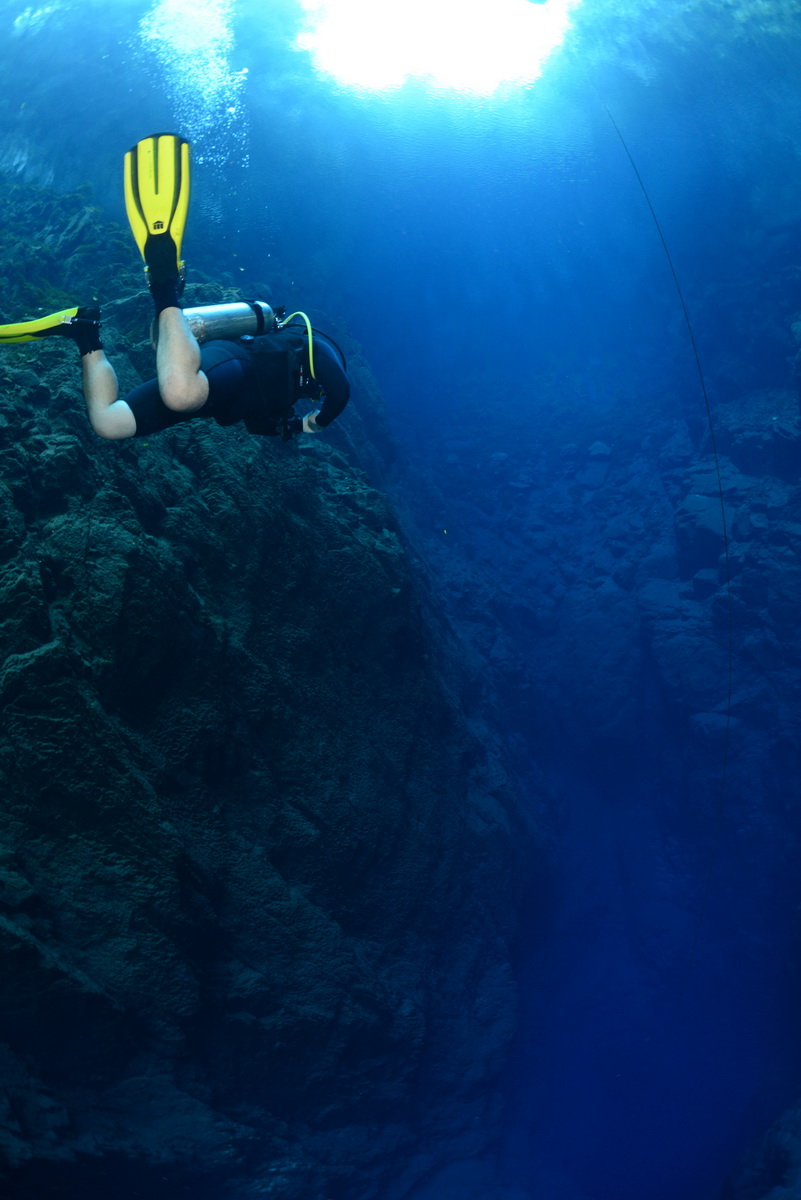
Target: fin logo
462, 46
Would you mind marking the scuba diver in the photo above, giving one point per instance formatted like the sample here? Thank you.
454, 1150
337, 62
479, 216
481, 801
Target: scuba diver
252, 366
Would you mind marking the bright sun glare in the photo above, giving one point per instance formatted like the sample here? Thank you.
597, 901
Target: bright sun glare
466, 46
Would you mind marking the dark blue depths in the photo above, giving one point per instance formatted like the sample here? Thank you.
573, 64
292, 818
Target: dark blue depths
547, 388
661, 1032
509, 287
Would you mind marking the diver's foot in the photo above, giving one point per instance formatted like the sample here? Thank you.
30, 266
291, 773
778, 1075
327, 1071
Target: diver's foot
162, 261
87, 329
166, 294
161, 258
165, 274
68, 322
82, 325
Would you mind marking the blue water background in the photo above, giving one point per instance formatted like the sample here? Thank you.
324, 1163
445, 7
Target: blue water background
509, 284
499, 266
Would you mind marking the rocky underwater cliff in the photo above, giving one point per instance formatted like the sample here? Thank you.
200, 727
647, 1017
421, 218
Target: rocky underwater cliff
651, 665
258, 874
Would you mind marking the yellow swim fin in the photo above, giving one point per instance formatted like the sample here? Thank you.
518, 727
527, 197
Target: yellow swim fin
157, 201
31, 331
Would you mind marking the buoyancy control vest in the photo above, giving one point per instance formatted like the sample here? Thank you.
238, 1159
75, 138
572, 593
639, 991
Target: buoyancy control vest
283, 363
281, 374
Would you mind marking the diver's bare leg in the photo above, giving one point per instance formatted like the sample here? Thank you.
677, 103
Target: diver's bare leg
182, 384
109, 416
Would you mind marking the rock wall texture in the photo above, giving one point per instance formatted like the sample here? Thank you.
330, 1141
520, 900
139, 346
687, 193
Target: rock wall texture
257, 875
625, 635
771, 1170
593, 577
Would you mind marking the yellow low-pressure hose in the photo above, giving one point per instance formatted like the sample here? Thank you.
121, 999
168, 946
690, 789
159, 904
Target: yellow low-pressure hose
309, 331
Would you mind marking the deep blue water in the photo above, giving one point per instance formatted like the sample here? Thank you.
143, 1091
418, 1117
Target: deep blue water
498, 263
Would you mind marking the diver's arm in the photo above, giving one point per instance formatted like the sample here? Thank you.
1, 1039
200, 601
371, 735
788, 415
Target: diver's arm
336, 389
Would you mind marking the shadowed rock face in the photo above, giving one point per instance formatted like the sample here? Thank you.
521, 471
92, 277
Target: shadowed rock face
773, 1166
605, 607
659, 666
256, 877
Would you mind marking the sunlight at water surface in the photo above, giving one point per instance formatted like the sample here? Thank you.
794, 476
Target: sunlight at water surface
468, 47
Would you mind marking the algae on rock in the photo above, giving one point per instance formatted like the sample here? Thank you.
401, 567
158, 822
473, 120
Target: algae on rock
257, 877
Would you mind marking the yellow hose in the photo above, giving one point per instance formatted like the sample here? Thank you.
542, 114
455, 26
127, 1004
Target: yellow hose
309, 330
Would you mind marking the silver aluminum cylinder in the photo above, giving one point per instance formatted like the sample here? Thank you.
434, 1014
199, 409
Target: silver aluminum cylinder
231, 321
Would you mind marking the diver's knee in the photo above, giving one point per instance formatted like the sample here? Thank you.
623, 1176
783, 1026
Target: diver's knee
109, 431
182, 394
112, 422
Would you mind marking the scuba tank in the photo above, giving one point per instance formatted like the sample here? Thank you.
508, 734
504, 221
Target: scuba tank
246, 319
241, 318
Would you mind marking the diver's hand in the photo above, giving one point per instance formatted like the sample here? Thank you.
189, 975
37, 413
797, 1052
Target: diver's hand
309, 423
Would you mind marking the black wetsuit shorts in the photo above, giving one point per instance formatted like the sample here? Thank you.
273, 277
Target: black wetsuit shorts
234, 392
253, 386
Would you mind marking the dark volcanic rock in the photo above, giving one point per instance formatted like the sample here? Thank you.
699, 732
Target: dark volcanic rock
762, 433
773, 1167
628, 634
256, 875
609, 611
